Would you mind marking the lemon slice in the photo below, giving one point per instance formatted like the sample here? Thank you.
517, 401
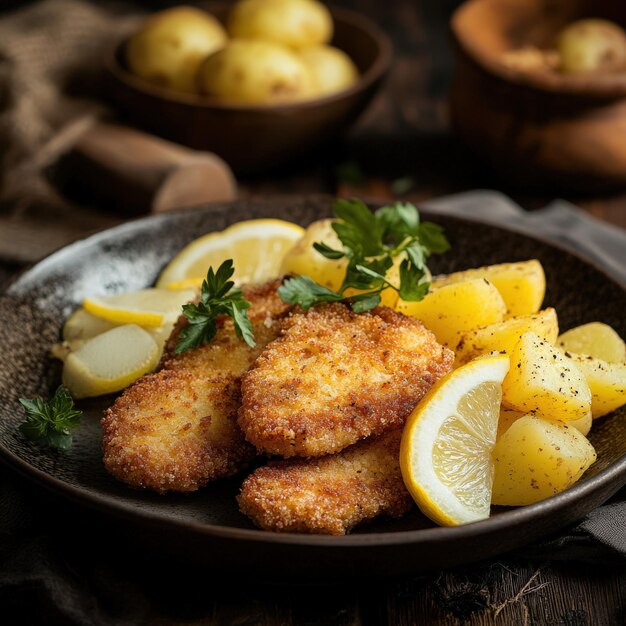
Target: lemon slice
110, 361
257, 248
146, 307
445, 455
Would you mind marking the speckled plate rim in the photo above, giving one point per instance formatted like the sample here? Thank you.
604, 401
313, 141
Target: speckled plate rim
611, 478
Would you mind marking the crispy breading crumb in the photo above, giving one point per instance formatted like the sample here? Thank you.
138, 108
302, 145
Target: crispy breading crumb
330, 494
334, 377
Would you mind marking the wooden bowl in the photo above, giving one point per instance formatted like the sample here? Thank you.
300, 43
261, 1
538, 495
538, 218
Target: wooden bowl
537, 128
253, 138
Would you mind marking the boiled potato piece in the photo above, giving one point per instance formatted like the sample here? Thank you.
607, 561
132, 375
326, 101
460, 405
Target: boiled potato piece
506, 420
255, 72
543, 381
508, 416
83, 325
331, 68
452, 310
303, 259
294, 23
504, 335
607, 382
522, 285
110, 362
537, 458
591, 45
171, 45
595, 339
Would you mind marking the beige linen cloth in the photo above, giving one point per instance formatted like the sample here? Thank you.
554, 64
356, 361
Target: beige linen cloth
51, 55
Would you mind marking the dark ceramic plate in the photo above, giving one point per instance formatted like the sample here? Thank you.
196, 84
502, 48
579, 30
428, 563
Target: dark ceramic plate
207, 526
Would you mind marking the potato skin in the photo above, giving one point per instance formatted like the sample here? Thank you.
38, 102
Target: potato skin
592, 45
293, 23
538, 458
170, 46
260, 72
331, 68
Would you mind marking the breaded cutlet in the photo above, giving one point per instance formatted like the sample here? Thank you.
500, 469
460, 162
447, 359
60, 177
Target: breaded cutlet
330, 494
334, 377
176, 430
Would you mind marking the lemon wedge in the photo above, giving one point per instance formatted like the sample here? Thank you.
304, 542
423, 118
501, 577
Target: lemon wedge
445, 455
146, 307
257, 248
110, 361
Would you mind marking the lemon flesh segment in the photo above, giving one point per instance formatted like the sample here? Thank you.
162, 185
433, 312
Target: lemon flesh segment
110, 362
146, 307
595, 339
257, 248
445, 455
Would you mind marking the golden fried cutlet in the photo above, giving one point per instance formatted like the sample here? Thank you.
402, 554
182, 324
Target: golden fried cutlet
334, 377
330, 494
227, 353
175, 431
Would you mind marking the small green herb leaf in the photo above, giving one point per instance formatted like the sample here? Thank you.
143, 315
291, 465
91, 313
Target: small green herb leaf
306, 292
371, 242
49, 421
327, 251
218, 298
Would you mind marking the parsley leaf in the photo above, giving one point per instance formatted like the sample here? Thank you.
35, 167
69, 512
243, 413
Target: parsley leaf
373, 242
217, 298
49, 421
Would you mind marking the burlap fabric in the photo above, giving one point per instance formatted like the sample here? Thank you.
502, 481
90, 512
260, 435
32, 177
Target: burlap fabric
50, 64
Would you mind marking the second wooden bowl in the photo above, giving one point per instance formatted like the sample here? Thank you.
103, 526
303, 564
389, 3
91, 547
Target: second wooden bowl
539, 129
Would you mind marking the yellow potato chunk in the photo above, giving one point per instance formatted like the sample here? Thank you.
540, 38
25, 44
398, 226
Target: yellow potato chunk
294, 23
595, 339
508, 416
538, 458
607, 382
332, 69
544, 381
452, 310
171, 45
503, 336
250, 71
303, 259
522, 285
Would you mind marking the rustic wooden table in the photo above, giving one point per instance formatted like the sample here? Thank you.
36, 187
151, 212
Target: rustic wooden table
402, 147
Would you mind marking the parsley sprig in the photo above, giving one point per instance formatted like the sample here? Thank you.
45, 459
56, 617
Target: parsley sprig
49, 421
217, 298
371, 241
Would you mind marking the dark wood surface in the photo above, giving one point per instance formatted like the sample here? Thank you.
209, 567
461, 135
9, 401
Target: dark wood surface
402, 147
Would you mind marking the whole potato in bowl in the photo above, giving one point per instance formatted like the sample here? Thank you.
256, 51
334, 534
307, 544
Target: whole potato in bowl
331, 68
592, 45
293, 23
169, 48
251, 71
